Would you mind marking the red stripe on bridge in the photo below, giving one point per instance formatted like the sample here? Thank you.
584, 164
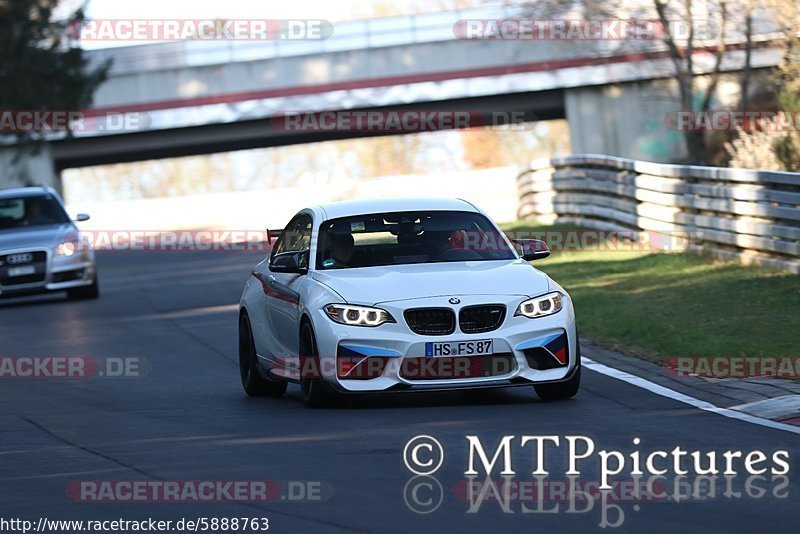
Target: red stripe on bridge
229, 98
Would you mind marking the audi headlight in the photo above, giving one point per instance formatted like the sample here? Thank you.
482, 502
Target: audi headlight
358, 315
67, 248
541, 306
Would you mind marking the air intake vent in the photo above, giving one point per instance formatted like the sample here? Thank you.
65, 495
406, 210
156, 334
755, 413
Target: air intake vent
431, 321
485, 318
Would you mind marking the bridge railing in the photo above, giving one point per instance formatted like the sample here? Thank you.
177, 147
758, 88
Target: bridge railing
750, 215
352, 35
347, 35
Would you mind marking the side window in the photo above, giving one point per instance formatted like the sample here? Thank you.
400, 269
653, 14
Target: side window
280, 244
299, 236
296, 236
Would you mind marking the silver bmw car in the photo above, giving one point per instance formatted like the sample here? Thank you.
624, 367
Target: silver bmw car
40, 246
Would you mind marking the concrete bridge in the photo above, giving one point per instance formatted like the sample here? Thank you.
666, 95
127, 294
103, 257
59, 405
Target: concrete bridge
195, 97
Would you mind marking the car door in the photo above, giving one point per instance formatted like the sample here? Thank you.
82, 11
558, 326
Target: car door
264, 334
284, 289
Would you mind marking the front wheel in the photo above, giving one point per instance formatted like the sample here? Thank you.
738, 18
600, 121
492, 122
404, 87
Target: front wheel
315, 392
253, 383
560, 390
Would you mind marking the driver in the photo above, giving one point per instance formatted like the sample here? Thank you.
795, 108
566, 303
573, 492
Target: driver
340, 250
35, 214
436, 244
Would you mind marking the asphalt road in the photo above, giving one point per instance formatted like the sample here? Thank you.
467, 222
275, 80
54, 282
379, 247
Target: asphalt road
185, 418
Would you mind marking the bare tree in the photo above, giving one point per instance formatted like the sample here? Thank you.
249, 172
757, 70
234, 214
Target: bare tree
691, 30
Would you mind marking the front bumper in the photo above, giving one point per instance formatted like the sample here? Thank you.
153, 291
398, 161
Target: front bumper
60, 273
493, 384
397, 344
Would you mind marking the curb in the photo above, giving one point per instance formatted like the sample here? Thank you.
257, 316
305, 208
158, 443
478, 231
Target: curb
773, 399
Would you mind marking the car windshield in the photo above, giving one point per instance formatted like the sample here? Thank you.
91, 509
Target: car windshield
409, 237
24, 212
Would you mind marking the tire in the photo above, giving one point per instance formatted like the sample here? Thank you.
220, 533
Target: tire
253, 383
85, 292
560, 390
315, 393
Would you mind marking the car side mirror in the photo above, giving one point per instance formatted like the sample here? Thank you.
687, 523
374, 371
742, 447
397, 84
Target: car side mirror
532, 249
81, 217
295, 262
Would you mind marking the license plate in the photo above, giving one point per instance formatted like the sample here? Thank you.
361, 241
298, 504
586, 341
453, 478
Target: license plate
479, 347
21, 271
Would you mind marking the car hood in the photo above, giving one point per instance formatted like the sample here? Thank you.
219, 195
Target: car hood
33, 237
374, 285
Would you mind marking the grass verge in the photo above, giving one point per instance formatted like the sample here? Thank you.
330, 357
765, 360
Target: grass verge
662, 305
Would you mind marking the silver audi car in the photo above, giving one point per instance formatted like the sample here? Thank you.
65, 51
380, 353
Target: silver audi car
40, 246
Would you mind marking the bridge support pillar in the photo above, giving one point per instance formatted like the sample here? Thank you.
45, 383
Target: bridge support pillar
626, 120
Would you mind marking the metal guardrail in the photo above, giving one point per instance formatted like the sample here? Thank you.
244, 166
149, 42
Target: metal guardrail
750, 215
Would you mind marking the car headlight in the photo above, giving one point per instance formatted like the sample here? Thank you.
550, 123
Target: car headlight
541, 306
358, 315
67, 248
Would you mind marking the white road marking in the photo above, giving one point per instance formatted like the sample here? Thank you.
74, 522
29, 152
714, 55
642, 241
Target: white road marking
776, 408
194, 312
686, 399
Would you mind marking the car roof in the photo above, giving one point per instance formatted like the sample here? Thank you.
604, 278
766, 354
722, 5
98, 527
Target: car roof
26, 192
349, 208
